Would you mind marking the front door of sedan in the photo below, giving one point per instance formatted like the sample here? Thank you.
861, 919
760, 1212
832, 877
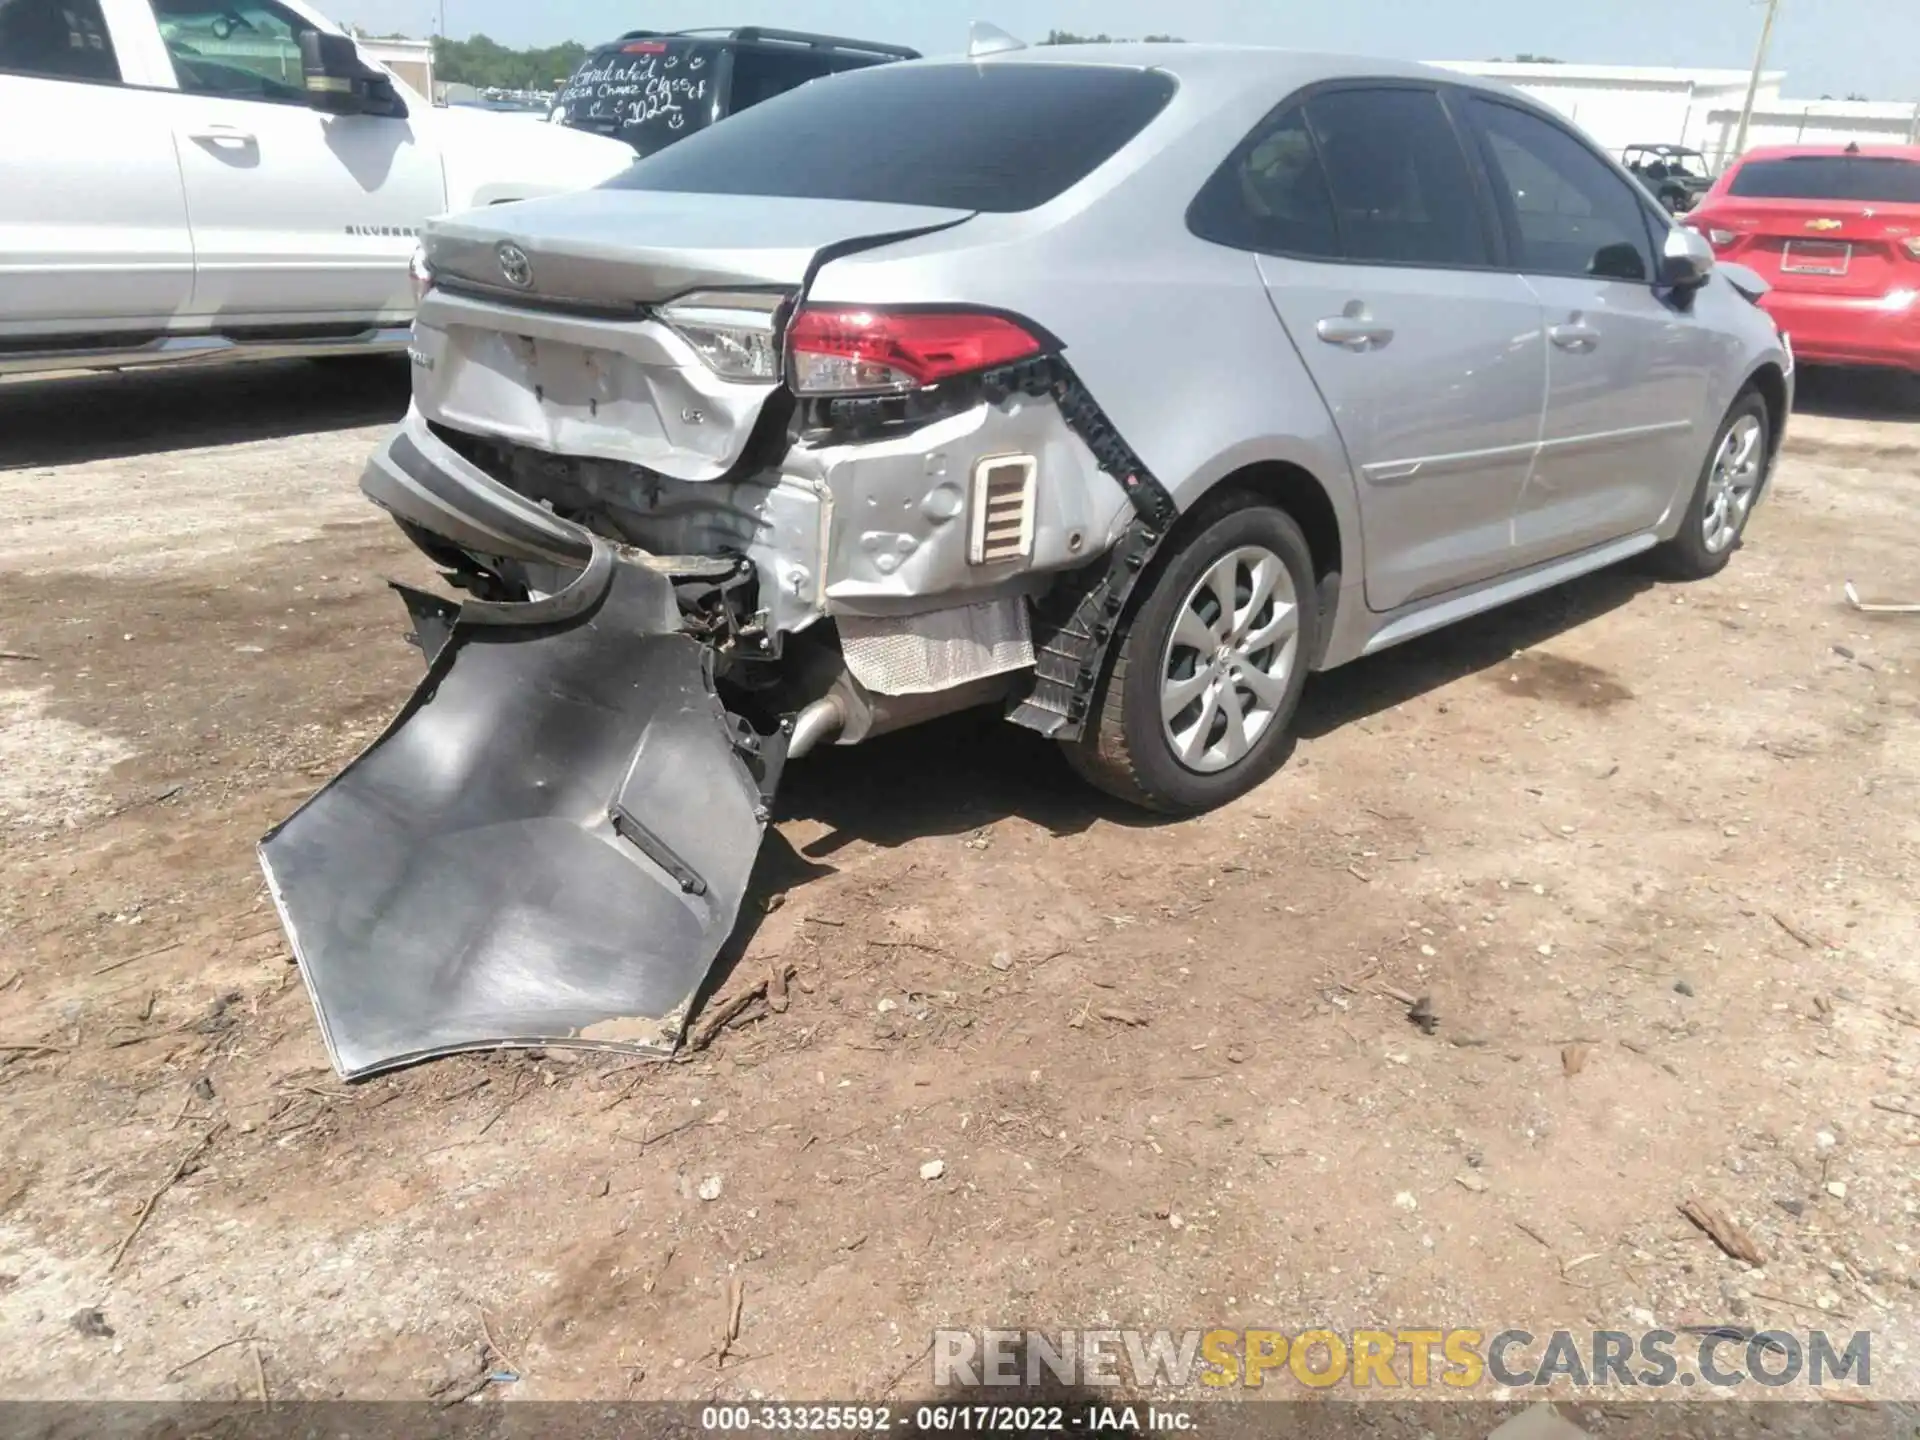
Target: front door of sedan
1379, 259
1627, 369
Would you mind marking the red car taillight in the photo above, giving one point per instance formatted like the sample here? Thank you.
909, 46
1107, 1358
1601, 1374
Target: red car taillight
845, 350
1716, 237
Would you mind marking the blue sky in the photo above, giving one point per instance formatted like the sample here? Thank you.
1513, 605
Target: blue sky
1871, 46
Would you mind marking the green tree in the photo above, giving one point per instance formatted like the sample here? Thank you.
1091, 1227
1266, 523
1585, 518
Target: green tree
1067, 37
483, 62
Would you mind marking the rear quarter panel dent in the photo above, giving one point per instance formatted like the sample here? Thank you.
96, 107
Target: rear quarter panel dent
1175, 341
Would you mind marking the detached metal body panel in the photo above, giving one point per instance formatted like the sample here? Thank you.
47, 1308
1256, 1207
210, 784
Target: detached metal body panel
549, 845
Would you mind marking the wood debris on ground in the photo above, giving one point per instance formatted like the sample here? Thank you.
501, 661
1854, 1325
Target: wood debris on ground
1719, 1228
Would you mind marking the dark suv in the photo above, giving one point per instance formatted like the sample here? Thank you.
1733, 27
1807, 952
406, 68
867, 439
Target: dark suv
652, 87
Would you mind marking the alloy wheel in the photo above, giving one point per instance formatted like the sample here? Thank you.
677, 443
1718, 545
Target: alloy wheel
1732, 484
1225, 671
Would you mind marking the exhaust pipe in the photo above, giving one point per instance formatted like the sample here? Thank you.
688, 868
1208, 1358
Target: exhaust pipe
821, 720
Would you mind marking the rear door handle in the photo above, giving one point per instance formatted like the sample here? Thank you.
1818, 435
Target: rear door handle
226, 136
1353, 332
1574, 335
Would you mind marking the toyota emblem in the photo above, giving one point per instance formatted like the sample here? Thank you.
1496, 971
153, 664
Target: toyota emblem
514, 265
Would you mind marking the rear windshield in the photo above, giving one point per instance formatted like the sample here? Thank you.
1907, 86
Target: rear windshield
1830, 177
648, 93
967, 137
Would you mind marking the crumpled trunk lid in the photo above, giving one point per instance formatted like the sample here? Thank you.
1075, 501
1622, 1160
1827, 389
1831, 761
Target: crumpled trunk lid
542, 329
621, 250
550, 844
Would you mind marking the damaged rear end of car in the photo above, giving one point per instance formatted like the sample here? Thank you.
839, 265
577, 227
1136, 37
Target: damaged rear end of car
700, 523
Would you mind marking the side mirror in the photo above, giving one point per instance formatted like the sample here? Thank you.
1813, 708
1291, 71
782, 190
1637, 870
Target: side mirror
1621, 261
1686, 259
339, 82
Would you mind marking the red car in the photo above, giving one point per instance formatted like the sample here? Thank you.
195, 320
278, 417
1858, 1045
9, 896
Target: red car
1836, 233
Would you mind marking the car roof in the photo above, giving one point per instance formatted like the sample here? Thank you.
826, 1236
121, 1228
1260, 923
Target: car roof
1870, 152
761, 35
1234, 68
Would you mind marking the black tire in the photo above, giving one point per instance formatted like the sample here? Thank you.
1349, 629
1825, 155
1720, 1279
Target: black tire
1125, 750
1686, 556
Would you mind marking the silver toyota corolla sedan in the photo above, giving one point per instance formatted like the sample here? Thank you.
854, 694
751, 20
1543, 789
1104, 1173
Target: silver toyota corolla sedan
1121, 387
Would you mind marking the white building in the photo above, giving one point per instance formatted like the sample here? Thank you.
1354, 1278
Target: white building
411, 60
1622, 105
1815, 122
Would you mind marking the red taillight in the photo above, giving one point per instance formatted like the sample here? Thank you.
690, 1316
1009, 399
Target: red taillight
645, 47
842, 350
1717, 237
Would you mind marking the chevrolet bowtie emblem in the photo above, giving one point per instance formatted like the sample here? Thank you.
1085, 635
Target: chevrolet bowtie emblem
1823, 224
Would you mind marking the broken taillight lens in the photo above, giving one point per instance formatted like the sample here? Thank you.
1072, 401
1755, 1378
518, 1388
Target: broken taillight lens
847, 350
736, 332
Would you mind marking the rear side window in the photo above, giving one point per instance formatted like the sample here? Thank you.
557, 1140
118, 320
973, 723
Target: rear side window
968, 137
1402, 192
1568, 212
59, 39
1272, 195
1880, 178
1368, 176
648, 93
759, 73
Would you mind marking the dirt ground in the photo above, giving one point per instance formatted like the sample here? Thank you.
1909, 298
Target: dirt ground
1651, 851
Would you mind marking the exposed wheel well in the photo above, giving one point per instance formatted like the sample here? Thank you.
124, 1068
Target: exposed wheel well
1289, 488
1772, 386
1293, 490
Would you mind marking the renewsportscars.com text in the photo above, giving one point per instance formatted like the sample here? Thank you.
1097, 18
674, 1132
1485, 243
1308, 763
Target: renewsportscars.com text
1415, 1359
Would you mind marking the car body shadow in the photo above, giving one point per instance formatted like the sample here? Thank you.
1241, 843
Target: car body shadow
1839, 393
967, 771
947, 777
72, 419
1379, 682
963, 773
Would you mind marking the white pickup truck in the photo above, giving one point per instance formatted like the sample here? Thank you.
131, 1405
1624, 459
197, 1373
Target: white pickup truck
187, 180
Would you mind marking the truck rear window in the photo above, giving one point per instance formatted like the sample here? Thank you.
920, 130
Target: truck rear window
1879, 178
649, 93
1001, 137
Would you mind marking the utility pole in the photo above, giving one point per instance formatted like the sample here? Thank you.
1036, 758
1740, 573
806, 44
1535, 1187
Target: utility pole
433, 52
1753, 84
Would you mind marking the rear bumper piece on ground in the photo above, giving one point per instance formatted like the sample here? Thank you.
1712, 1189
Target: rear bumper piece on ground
548, 846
